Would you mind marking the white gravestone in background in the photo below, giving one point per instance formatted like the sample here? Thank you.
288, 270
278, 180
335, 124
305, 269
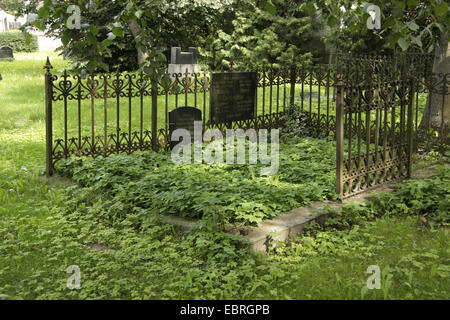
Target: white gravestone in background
182, 61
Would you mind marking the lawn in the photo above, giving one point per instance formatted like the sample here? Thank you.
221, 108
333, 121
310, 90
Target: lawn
125, 251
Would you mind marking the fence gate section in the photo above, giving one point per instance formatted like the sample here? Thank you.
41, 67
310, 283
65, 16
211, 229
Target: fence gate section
374, 122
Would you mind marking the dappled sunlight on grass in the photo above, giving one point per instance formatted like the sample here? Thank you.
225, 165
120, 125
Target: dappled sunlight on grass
22, 95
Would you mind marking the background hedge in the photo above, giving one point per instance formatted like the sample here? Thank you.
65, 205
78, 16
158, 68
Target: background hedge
16, 40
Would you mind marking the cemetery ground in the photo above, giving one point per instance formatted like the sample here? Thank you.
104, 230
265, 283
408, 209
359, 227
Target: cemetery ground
105, 217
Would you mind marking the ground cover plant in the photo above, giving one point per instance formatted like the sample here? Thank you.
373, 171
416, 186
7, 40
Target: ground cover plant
378, 227
137, 256
238, 193
107, 218
130, 253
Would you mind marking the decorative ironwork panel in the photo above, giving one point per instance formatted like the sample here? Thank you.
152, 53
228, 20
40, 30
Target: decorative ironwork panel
374, 123
104, 114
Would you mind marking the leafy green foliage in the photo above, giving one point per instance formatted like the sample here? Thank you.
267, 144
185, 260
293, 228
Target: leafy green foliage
48, 225
17, 41
372, 231
252, 33
261, 37
404, 24
12, 6
297, 123
120, 260
235, 192
411, 268
427, 199
107, 42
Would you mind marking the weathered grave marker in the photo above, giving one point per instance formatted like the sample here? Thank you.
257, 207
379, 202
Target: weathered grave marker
183, 118
233, 96
6, 53
182, 61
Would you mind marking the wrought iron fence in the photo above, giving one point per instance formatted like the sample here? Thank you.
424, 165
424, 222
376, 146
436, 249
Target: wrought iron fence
124, 112
317, 97
378, 118
373, 110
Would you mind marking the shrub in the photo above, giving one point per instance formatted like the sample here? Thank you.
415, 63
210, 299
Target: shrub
16, 40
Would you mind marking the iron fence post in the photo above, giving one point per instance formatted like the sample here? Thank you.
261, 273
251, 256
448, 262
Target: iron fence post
410, 122
340, 135
231, 66
443, 134
48, 119
293, 78
154, 114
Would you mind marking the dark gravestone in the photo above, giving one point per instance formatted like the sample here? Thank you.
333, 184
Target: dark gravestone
233, 96
179, 57
6, 53
183, 118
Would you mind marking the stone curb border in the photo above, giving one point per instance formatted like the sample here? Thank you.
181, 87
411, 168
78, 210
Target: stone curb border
285, 225
278, 228
294, 221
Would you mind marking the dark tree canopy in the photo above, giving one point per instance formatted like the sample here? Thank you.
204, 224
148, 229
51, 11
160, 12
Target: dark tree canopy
250, 32
259, 37
106, 39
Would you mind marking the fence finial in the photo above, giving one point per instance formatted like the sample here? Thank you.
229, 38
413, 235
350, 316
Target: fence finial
48, 66
231, 65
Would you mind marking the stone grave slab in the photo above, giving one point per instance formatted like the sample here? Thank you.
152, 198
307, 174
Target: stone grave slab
233, 96
6, 53
180, 62
183, 118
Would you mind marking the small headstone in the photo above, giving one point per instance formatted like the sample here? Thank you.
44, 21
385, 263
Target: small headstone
178, 57
233, 96
183, 118
182, 61
6, 53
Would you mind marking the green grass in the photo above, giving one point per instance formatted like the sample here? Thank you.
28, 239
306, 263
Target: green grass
413, 262
46, 226
25, 77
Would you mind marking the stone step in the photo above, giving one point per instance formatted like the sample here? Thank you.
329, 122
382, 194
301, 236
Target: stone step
293, 222
285, 225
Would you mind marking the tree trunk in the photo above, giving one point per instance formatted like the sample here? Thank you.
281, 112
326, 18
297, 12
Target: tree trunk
437, 111
136, 30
